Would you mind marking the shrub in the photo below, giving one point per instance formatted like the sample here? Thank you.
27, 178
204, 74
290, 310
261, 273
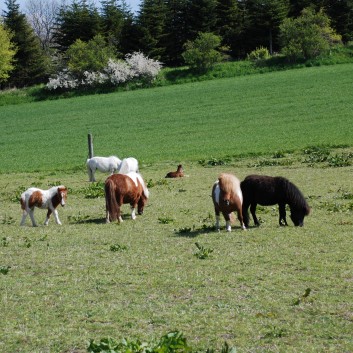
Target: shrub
135, 67
88, 56
307, 36
259, 54
201, 54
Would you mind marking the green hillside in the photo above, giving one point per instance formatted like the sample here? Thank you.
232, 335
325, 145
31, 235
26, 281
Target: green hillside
227, 117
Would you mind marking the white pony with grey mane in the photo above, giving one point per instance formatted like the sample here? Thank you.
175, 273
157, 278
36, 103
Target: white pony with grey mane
103, 164
111, 164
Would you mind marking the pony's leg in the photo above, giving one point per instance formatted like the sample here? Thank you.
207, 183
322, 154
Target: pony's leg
56, 215
107, 216
245, 214
282, 215
216, 210
46, 222
240, 218
253, 213
24, 216
93, 178
228, 222
133, 214
30, 212
217, 223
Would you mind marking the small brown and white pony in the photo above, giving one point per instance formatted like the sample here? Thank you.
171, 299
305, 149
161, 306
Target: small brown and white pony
178, 174
121, 189
227, 198
45, 199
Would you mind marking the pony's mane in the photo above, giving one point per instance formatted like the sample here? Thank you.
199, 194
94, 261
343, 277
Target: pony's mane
228, 182
295, 196
138, 176
53, 190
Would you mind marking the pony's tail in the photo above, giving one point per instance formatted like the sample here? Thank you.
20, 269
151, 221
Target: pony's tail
110, 200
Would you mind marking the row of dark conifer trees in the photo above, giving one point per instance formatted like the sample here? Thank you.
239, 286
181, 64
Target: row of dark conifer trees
159, 29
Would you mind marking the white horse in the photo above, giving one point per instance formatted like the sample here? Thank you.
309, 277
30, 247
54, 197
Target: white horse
103, 164
129, 165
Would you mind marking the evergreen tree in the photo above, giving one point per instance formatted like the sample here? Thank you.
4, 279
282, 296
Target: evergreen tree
31, 63
264, 19
175, 32
228, 25
114, 16
201, 17
152, 20
80, 20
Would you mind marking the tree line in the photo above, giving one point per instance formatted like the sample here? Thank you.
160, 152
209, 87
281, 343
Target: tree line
38, 43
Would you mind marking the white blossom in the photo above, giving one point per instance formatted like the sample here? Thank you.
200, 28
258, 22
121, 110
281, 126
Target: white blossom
142, 66
118, 71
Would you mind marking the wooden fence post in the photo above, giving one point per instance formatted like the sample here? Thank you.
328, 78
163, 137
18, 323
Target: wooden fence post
90, 146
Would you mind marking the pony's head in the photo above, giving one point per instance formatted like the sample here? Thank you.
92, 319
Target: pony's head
62, 194
142, 201
229, 184
297, 215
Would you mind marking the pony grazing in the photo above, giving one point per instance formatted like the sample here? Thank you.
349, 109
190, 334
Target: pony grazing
121, 189
45, 199
103, 164
178, 174
128, 165
266, 190
227, 198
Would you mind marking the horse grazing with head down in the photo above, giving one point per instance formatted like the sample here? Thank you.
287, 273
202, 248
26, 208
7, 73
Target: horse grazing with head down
227, 198
178, 174
103, 164
45, 199
121, 189
128, 165
266, 190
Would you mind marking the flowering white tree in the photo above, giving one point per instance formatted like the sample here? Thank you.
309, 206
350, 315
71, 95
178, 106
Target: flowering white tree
135, 67
118, 72
142, 66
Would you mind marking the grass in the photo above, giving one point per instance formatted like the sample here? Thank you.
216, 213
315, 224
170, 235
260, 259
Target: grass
268, 289
213, 119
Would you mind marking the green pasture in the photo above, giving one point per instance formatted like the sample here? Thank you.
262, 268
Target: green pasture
227, 117
268, 289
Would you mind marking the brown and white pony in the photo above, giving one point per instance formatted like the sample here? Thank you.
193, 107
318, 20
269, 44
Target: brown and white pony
121, 189
45, 199
227, 198
178, 174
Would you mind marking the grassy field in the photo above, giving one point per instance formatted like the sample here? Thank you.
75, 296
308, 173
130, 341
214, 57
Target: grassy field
267, 289
228, 117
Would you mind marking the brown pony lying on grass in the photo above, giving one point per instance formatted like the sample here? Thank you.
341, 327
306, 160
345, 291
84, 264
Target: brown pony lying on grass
178, 174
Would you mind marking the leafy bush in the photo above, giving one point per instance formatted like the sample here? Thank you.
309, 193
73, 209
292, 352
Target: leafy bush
202, 252
88, 56
259, 54
201, 54
172, 342
307, 36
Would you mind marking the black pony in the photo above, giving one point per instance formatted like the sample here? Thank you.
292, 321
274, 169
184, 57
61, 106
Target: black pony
266, 191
